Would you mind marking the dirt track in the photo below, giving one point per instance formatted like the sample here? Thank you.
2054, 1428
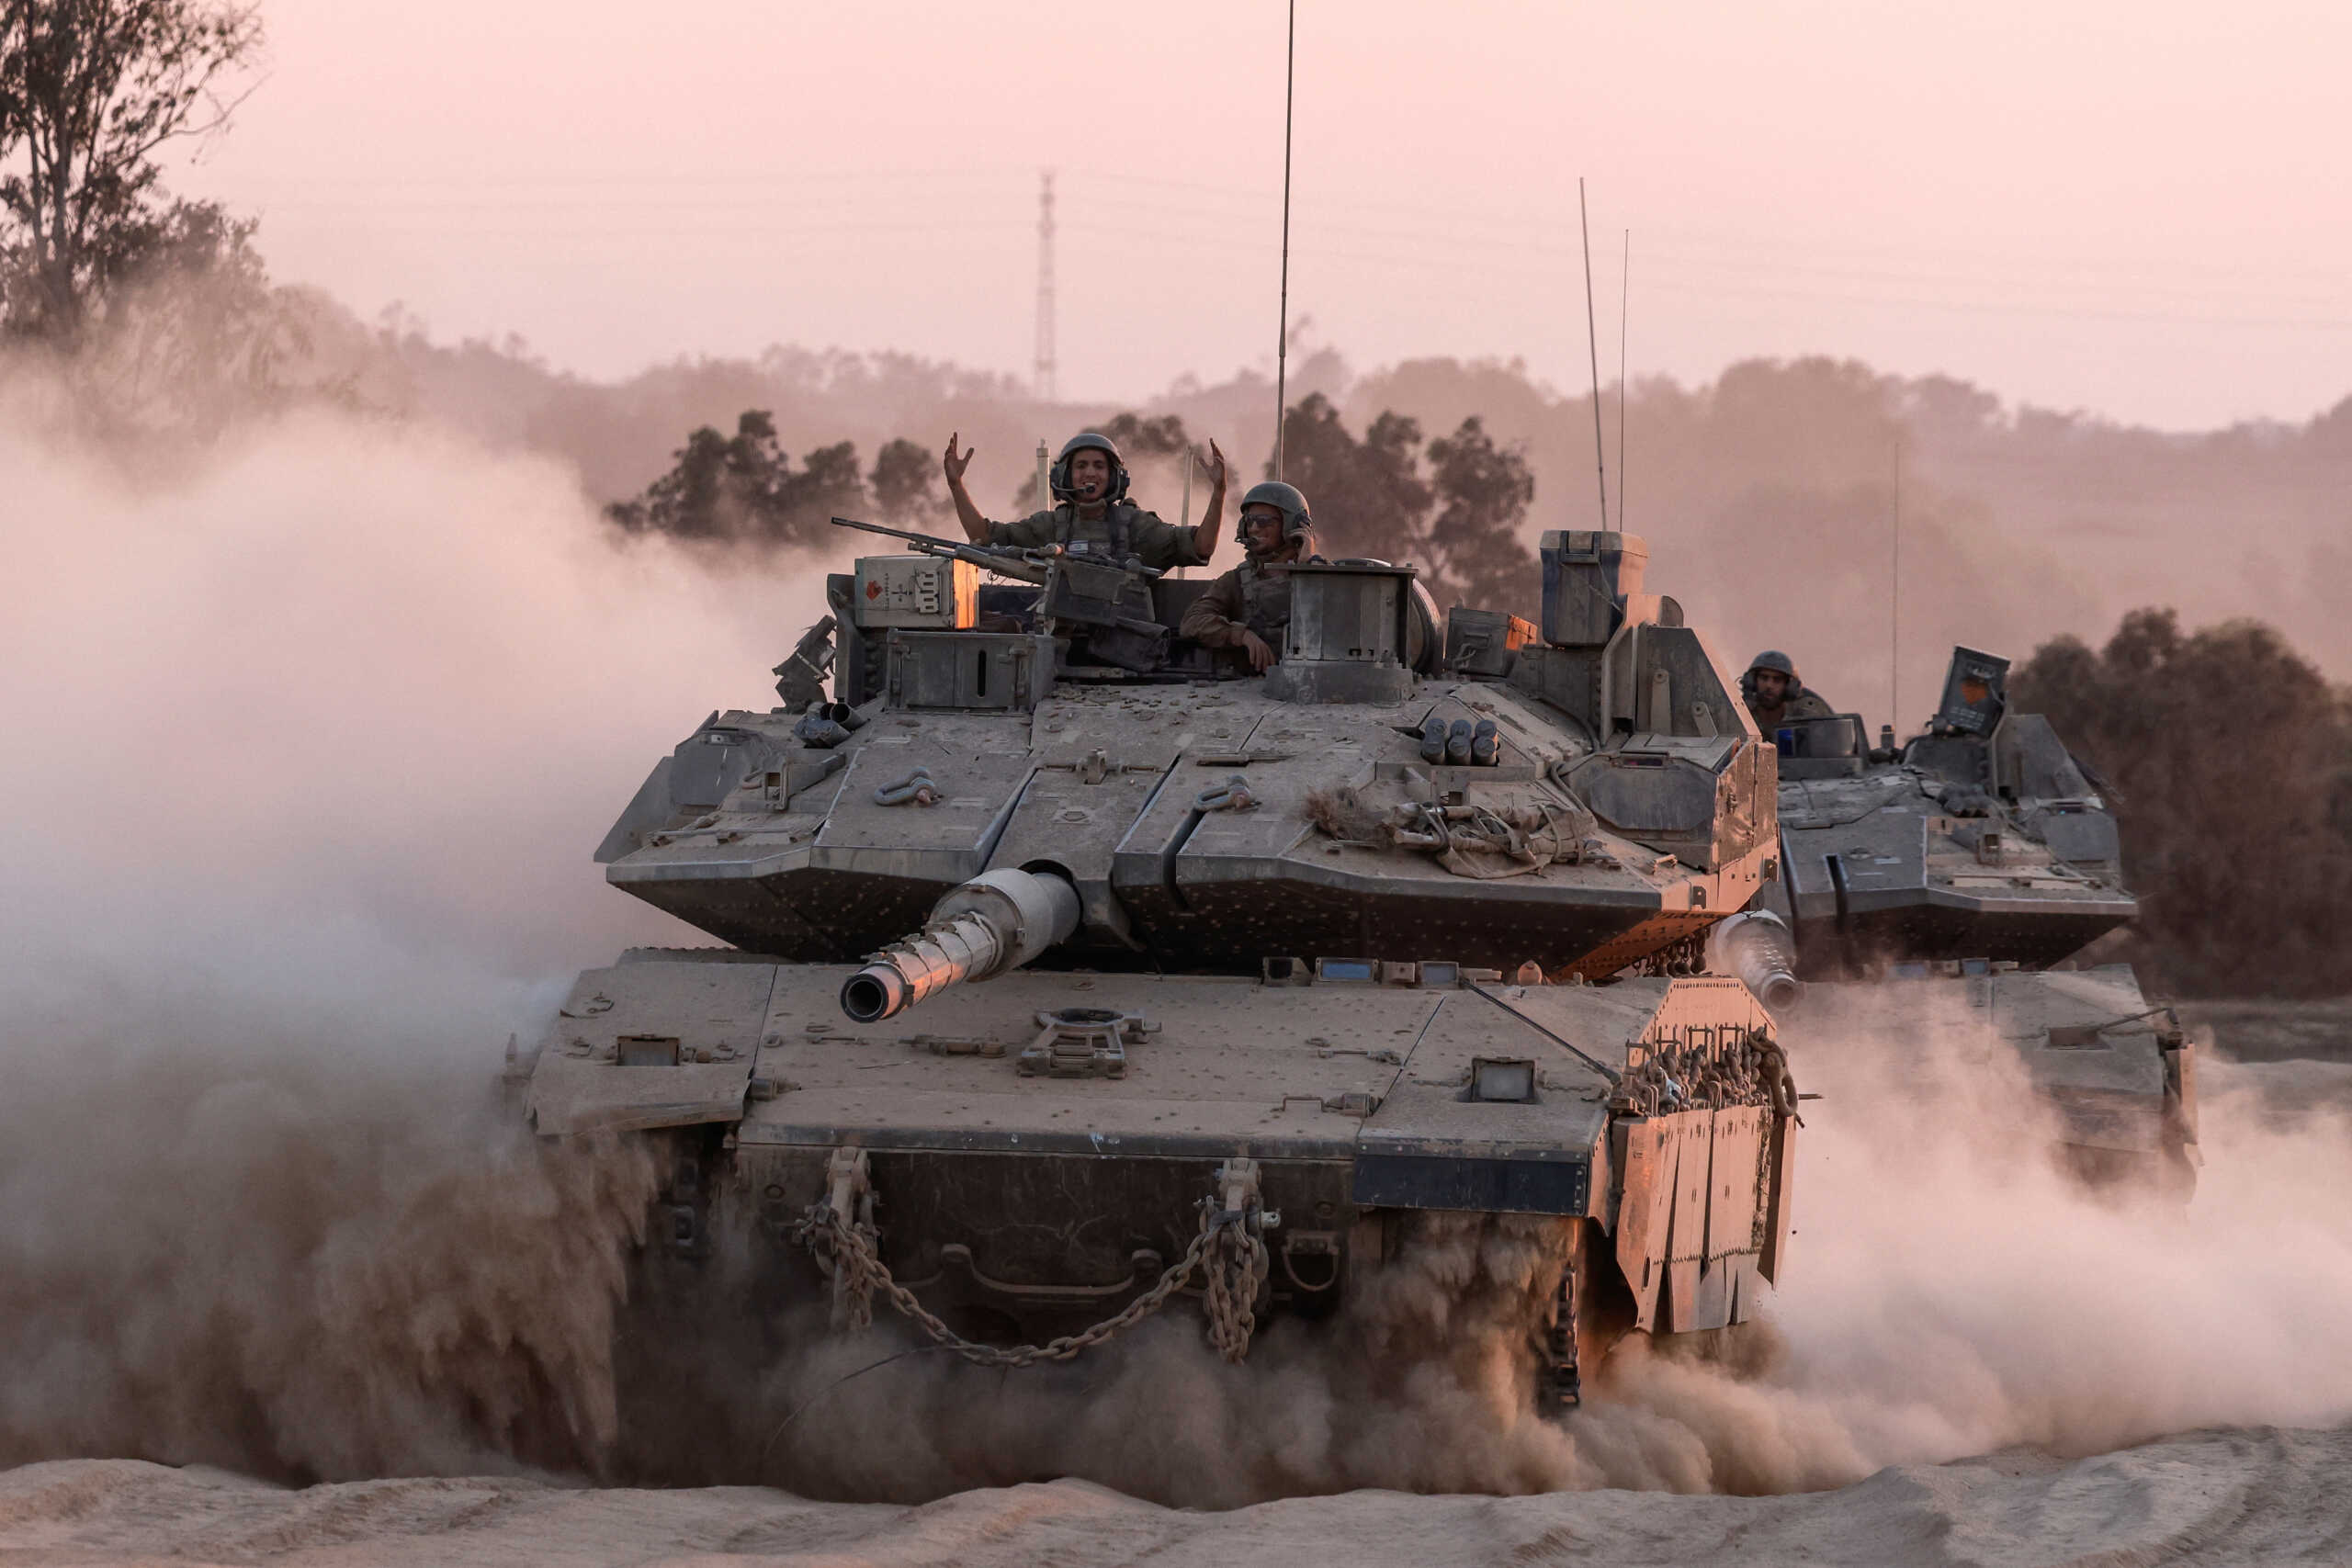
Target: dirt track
2262, 1494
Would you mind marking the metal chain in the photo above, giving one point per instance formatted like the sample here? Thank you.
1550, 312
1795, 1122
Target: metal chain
1233, 1284
1684, 1075
1232, 1293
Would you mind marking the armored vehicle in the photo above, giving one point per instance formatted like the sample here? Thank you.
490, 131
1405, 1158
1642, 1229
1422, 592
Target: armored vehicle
1074, 975
1964, 864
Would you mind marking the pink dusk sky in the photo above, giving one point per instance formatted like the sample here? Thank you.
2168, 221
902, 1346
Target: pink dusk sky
2140, 209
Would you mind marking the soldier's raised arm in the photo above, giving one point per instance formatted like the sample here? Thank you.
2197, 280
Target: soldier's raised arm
1204, 535
976, 527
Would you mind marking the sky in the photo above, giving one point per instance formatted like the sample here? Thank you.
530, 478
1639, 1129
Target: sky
2138, 210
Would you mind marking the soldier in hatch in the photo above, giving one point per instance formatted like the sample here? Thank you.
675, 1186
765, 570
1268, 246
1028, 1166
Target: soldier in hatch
1248, 607
1775, 696
1092, 515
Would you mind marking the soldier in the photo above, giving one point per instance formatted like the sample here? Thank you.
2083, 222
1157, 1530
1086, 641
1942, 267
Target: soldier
1775, 696
1248, 607
1093, 514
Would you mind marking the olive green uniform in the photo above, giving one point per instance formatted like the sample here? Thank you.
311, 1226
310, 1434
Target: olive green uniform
1253, 596
1121, 531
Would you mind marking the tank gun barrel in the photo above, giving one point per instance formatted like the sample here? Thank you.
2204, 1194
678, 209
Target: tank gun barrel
998, 920
1758, 948
1015, 564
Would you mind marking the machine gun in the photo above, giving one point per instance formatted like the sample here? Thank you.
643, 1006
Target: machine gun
1022, 566
1105, 608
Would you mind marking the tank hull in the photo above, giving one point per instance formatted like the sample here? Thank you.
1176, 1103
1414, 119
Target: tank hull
1019, 1196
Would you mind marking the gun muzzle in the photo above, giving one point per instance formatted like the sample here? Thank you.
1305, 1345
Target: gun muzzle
1758, 948
998, 920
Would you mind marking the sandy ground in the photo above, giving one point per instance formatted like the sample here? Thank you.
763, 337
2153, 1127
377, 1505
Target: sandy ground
2261, 1495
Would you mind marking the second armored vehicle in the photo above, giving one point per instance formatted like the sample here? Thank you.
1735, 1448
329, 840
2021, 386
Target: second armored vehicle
1963, 866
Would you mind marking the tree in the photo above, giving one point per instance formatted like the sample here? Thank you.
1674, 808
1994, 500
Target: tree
905, 482
1139, 438
2230, 764
1367, 496
743, 490
90, 92
1472, 546
1460, 522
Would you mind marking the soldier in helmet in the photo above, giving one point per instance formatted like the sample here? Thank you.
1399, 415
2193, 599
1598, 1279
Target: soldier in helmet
1774, 694
1248, 607
1091, 514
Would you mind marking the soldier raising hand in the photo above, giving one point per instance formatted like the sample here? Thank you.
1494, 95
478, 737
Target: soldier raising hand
1091, 514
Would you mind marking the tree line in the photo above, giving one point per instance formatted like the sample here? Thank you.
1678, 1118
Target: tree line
1455, 506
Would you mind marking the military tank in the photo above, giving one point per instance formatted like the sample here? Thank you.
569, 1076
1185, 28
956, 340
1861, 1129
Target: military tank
1971, 864
1074, 975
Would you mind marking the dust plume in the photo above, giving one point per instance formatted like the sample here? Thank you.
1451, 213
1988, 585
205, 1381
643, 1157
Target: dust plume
1954, 1293
307, 749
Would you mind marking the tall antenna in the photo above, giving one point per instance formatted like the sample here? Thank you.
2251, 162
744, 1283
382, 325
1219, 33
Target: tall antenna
1044, 375
1282, 342
1895, 596
1593, 341
1625, 302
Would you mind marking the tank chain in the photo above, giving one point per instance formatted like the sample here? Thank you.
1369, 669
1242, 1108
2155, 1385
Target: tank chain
1234, 1253
1680, 1076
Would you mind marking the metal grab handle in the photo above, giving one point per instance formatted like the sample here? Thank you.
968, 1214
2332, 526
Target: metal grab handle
916, 786
1233, 795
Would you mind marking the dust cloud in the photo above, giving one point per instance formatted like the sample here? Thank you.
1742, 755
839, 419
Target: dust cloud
307, 748
1954, 1293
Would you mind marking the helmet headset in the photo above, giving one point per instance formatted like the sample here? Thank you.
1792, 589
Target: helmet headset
1058, 477
1285, 499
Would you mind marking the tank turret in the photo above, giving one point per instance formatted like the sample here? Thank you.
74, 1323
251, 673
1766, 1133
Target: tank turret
1601, 798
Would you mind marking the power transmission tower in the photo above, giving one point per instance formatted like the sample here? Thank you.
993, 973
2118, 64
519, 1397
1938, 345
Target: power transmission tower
1044, 377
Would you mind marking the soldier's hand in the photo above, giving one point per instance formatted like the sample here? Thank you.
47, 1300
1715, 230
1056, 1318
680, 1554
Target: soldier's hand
1216, 465
1260, 656
954, 466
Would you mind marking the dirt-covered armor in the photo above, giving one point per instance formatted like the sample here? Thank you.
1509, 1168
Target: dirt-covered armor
1062, 992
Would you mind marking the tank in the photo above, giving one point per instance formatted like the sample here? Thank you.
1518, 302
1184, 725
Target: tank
1074, 975
1971, 866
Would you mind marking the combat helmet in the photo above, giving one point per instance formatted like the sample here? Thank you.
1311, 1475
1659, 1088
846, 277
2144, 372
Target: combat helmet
1085, 441
1770, 659
1286, 499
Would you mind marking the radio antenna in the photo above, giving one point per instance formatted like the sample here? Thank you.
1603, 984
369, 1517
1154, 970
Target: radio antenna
1625, 302
1593, 341
1282, 342
1895, 596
